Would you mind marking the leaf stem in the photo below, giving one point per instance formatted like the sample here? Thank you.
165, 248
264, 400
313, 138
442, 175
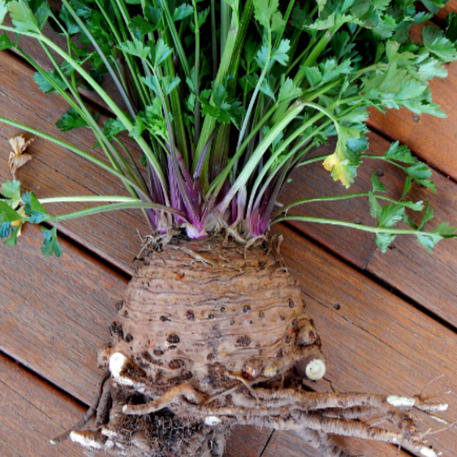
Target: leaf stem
353, 225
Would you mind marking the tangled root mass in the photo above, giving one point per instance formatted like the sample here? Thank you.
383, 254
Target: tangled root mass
212, 335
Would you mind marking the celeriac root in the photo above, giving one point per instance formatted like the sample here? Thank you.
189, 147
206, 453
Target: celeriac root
212, 335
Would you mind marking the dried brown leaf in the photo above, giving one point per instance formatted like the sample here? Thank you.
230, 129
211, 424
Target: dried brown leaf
18, 157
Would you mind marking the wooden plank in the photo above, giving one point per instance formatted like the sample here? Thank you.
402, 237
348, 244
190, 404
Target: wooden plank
429, 279
55, 314
55, 171
32, 412
291, 445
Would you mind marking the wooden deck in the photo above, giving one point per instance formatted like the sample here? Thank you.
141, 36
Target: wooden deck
388, 322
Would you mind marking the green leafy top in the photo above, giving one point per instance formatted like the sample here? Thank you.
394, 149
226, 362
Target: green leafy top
225, 98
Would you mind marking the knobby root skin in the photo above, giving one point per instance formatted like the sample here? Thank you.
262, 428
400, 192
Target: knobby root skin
210, 335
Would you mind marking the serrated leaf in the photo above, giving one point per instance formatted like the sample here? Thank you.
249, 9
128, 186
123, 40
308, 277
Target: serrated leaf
42, 14
281, 53
48, 81
70, 120
414, 206
427, 216
112, 127
391, 215
266, 89
170, 84
153, 15
140, 27
161, 52
437, 44
400, 153
264, 10
22, 17
288, 91
5, 42
384, 240
135, 48
375, 207
376, 184
50, 244
7, 214
11, 190
428, 240
446, 230
34, 209
182, 11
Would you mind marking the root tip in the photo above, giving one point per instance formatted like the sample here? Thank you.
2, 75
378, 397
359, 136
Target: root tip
86, 440
427, 452
212, 421
117, 363
315, 369
399, 402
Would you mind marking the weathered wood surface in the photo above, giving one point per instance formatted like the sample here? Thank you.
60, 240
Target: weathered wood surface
55, 313
31, 413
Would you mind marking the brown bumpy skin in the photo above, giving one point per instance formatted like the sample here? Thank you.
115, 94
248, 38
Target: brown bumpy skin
207, 313
211, 334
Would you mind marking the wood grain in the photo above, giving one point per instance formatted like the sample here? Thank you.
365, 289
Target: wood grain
288, 443
32, 412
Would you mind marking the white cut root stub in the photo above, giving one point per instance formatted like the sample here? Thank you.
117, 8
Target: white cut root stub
117, 362
315, 369
401, 402
212, 421
86, 440
428, 452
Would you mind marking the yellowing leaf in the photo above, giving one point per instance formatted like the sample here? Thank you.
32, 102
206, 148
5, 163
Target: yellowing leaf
18, 157
338, 165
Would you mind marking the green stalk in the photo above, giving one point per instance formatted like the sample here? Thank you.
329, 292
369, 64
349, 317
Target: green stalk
116, 159
209, 122
175, 37
334, 198
88, 199
353, 225
108, 66
214, 36
285, 144
258, 153
256, 92
196, 74
225, 24
114, 207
